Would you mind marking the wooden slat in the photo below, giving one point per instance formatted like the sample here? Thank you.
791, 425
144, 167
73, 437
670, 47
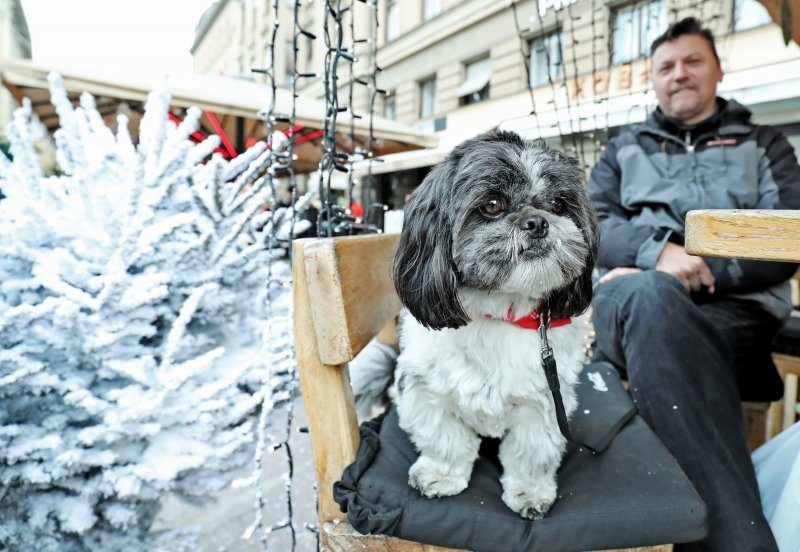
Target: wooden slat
755, 422
327, 395
350, 285
790, 400
388, 335
744, 234
341, 537
779, 416
660, 548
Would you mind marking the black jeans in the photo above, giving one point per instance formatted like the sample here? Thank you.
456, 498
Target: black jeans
679, 359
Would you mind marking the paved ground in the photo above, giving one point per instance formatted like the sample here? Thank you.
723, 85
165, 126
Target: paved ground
222, 522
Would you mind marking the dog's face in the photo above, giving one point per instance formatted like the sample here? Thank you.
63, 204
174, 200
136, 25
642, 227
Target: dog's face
498, 214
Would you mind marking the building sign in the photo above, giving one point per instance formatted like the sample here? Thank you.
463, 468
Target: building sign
556, 5
622, 78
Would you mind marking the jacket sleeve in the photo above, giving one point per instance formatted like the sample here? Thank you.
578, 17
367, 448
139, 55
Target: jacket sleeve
781, 168
622, 243
779, 174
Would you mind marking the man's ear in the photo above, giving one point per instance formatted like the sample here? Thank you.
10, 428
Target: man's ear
423, 271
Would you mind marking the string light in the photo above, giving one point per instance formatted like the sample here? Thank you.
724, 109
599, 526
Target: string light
335, 220
367, 190
280, 378
280, 381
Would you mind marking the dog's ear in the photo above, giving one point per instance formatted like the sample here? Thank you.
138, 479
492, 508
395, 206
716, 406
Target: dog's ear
423, 272
574, 298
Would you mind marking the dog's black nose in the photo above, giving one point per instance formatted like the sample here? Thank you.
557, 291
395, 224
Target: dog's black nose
536, 225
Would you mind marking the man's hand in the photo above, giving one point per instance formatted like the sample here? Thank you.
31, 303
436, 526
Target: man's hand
616, 272
693, 272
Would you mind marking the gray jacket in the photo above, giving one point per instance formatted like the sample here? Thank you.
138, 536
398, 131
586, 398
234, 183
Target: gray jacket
649, 178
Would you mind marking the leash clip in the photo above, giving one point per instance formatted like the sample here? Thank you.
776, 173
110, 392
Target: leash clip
544, 325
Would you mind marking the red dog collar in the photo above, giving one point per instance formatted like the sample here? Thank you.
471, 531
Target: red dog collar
531, 321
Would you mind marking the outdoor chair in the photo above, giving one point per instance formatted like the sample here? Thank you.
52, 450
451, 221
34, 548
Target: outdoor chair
344, 297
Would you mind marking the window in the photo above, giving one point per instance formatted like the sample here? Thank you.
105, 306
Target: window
475, 87
390, 107
392, 20
427, 97
635, 28
749, 14
547, 59
430, 9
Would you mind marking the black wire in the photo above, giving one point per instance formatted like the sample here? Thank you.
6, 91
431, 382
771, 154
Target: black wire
335, 220
525, 55
368, 188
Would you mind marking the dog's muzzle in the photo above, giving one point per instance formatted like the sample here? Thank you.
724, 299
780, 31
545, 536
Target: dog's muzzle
536, 226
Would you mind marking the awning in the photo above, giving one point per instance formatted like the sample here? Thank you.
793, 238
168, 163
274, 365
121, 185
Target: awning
402, 161
231, 107
790, 23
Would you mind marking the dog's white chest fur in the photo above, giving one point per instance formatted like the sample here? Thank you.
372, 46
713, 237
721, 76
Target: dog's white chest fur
489, 372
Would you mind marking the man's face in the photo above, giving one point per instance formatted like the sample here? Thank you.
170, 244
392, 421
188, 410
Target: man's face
685, 74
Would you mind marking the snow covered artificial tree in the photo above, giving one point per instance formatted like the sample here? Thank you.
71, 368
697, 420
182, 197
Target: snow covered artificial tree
134, 290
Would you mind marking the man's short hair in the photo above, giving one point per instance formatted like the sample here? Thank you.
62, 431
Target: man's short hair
687, 26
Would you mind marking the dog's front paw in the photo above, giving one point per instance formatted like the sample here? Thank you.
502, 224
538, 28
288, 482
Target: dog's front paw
434, 478
529, 499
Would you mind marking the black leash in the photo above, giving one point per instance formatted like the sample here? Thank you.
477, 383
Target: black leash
551, 373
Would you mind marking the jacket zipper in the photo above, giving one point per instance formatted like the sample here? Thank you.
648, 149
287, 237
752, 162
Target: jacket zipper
690, 151
687, 141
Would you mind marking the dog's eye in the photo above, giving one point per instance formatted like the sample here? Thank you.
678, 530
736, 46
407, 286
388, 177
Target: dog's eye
556, 206
493, 208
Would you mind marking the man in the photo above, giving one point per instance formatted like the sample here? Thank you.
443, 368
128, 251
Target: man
686, 329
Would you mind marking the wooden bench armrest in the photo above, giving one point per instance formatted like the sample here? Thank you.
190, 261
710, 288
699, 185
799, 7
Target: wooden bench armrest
768, 235
343, 296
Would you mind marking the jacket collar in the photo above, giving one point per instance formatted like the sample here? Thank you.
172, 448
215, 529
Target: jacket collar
730, 118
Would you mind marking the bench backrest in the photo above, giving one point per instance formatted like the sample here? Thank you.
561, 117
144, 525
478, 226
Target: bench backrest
343, 296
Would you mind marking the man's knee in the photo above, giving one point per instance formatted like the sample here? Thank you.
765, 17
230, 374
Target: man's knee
648, 288
656, 298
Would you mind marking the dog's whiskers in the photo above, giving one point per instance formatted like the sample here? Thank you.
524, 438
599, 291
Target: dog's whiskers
515, 247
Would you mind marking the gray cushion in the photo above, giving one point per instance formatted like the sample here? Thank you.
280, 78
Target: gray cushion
631, 493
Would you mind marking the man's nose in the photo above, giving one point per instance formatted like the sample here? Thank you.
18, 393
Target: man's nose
680, 72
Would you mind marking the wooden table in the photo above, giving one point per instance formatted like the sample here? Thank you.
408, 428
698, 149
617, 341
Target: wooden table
744, 234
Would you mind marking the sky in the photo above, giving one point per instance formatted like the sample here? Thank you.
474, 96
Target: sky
142, 37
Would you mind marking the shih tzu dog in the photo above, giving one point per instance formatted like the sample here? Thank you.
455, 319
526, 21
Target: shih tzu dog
497, 235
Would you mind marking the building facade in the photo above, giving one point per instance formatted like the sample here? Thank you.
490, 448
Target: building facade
573, 72
15, 43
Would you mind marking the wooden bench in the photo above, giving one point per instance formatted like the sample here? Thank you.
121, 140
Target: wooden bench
343, 296
767, 235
